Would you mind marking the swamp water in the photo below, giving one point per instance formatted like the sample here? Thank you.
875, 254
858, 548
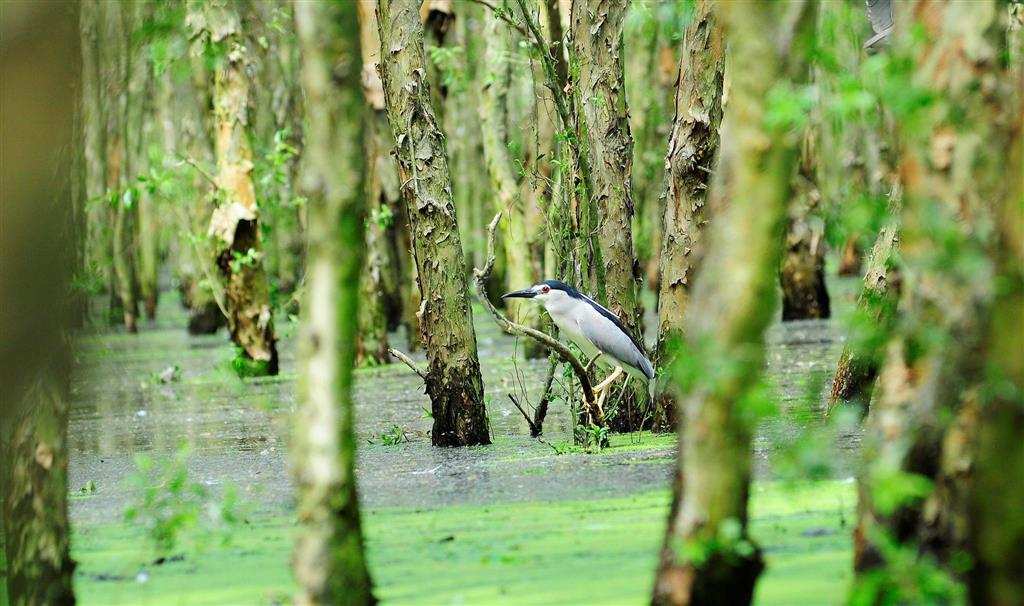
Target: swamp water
514, 522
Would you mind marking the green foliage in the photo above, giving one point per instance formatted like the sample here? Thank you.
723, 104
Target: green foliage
242, 260
382, 216
393, 436
245, 367
892, 489
729, 544
175, 511
906, 578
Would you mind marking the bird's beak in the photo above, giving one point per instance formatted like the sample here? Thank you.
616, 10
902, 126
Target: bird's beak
526, 293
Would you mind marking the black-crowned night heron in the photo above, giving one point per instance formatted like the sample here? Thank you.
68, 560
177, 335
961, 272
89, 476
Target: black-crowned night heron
593, 328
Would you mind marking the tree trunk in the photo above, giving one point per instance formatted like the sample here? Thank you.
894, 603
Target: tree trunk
935, 362
40, 67
690, 159
94, 121
235, 223
725, 326
184, 107
39, 564
494, 116
330, 562
453, 377
381, 188
119, 23
858, 364
597, 40
802, 275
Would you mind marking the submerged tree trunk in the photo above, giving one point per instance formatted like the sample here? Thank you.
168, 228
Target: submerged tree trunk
453, 376
725, 326
802, 275
235, 223
597, 40
691, 157
381, 189
330, 562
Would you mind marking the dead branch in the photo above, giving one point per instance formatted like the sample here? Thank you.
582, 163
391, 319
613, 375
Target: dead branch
539, 413
408, 362
510, 327
533, 428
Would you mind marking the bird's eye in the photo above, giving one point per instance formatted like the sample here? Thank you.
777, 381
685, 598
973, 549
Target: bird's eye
545, 289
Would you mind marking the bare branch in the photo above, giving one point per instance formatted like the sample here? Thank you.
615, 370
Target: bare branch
202, 171
408, 362
533, 428
512, 328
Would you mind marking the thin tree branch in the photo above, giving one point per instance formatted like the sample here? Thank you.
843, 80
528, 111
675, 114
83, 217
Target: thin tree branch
512, 328
202, 171
408, 362
533, 428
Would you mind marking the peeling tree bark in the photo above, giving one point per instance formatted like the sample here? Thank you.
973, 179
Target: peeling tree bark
235, 223
330, 562
604, 116
453, 377
725, 326
690, 159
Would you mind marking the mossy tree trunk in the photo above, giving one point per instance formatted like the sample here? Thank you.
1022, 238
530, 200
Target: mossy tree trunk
34, 486
330, 562
235, 222
140, 129
119, 24
40, 68
859, 362
935, 367
597, 42
493, 109
690, 160
725, 324
994, 516
802, 275
94, 137
453, 378
381, 190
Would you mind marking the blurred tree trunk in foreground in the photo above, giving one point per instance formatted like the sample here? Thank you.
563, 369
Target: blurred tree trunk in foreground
453, 377
381, 189
690, 160
604, 119
235, 222
707, 556
802, 275
330, 563
950, 389
39, 67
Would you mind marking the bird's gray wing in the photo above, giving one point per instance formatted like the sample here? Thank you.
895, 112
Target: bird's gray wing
611, 339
